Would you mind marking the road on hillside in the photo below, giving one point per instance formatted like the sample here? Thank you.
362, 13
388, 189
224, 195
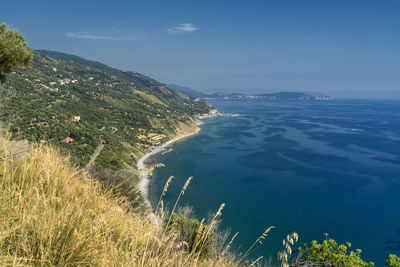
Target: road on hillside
95, 155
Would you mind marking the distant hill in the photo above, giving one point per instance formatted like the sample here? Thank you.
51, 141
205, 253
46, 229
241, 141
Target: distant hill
187, 91
227, 95
74, 103
273, 96
294, 96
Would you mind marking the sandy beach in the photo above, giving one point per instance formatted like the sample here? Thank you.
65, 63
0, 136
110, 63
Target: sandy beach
144, 175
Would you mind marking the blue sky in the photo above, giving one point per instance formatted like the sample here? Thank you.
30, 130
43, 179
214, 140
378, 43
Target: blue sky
341, 48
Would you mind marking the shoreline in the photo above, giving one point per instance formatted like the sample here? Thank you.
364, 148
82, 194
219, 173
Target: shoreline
144, 175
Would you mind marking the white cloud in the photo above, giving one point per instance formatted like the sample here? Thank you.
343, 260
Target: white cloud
87, 35
183, 28
113, 34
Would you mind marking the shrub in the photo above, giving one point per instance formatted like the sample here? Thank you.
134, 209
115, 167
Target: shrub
393, 261
330, 253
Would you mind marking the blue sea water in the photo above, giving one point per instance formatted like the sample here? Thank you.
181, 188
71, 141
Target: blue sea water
305, 167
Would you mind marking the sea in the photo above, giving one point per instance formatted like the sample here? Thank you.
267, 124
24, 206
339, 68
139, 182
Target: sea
310, 167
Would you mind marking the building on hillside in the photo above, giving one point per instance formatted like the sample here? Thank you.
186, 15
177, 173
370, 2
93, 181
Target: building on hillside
76, 118
141, 137
157, 137
68, 140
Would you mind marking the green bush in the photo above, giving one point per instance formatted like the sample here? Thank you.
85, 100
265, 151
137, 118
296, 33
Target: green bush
393, 261
330, 253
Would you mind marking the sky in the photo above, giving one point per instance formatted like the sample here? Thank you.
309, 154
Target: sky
346, 49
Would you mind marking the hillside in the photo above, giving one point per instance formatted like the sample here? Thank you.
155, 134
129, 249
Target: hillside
76, 104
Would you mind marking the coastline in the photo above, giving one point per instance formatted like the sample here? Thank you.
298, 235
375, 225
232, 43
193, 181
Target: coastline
143, 169
144, 175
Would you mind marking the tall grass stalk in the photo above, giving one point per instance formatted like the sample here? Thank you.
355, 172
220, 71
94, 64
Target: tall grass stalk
179, 197
163, 193
262, 236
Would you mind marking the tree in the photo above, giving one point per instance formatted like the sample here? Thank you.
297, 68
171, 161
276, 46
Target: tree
13, 51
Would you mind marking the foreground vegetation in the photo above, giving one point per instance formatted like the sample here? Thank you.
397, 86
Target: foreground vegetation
54, 215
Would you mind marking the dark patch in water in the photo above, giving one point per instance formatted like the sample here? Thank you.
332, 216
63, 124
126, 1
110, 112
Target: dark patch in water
252, 179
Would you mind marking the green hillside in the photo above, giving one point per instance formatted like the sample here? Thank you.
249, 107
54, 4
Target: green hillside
64, 96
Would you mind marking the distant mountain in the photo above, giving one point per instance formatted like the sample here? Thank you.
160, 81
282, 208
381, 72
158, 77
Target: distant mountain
188, 91
227, 95
273, 96
294, 96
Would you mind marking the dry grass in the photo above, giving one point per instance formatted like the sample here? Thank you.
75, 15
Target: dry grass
54, 215
287, 244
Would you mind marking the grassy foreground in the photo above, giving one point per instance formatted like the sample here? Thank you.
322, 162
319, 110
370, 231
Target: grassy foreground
54, 215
